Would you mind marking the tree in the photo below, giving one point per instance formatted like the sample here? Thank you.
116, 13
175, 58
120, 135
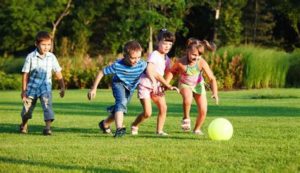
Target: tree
259, 23
23, 19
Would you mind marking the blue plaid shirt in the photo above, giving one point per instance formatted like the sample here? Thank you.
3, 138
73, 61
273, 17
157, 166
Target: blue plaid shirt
40, 72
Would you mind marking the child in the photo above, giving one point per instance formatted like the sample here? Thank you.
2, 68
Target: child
127, 72
36, 82
150, 87
191, 82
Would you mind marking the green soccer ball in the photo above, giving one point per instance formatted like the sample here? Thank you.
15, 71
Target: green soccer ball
220, 129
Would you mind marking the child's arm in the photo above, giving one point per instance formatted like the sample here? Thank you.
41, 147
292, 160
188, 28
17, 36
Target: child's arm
173, 71
24, 85
212, 79
61, 83
153, 74
93, 90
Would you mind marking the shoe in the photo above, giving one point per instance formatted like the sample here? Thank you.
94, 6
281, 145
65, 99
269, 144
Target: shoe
120, 132
162, 133
47, 132
23, 129
104, 130
198, 132
134, 130
186, 125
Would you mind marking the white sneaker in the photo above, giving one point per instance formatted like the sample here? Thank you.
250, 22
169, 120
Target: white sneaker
186, 125
198, 132
134, 130
162, 133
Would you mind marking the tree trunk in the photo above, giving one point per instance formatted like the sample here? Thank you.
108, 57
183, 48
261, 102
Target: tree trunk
56, 23
150, 43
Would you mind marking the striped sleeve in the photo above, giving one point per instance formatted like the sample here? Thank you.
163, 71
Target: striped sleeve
109, 69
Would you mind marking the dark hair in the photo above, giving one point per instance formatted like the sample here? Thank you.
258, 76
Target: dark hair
165, 35
41, 36
131, 46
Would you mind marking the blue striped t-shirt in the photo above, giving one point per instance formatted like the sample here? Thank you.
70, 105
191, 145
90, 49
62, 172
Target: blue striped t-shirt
128, 75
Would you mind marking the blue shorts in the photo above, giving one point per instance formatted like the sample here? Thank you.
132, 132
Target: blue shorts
46, 102
122, 97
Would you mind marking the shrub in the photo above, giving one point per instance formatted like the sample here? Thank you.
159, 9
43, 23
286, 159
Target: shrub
10, 81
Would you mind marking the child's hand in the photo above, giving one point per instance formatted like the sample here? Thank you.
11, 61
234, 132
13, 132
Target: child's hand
174, 88
216, 98
62, 92
91, 94
23, 96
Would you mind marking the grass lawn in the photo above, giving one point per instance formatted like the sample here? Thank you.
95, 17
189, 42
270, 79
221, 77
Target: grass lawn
266, 136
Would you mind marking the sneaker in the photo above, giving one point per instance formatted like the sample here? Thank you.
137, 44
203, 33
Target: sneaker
47, 132
23, 129
120, 132
162, 133
103, 129
186, 125
134, 130
198, 132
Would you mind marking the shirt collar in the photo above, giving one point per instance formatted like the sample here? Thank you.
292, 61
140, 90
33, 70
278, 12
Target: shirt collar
37, 54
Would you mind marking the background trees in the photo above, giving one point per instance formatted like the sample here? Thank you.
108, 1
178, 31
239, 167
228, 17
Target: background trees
98, 27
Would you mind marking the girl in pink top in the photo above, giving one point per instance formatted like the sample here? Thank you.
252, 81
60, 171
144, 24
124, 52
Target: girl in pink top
150, 87
191, 83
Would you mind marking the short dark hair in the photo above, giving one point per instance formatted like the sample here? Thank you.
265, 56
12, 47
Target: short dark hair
41, 36
165, 35
131, 46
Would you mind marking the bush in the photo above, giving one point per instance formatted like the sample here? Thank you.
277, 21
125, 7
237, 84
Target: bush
10, 81
293, 74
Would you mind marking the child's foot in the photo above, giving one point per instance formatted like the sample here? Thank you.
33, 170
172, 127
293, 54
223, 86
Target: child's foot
198, 132
47, 132
186, 125
162, 133
23, 129
120, 132
134, 130
104, 129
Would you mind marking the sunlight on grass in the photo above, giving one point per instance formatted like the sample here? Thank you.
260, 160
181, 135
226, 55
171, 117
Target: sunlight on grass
265, 139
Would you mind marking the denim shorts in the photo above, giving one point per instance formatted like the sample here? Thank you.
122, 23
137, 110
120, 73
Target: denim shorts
46, 102
122, 97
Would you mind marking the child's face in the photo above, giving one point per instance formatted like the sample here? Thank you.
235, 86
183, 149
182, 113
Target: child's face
44, 46
133, 58
193, 55
164, 47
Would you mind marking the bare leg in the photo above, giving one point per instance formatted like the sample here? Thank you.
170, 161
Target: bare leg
108, 120
201, 102
146, 103
119, 116
187, 98
160, 102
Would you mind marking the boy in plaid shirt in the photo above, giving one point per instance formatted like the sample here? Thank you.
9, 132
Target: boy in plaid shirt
37, 82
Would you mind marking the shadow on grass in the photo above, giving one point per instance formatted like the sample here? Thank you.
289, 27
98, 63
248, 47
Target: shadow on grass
37, 129
57, 166
174, 110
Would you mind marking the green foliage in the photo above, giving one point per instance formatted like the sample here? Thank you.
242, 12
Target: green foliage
230, 26
10, 81
11, 65
21, 20
251, 67
293, 75
80, 72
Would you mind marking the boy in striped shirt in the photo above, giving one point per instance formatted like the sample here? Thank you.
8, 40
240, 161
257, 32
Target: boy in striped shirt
127, 72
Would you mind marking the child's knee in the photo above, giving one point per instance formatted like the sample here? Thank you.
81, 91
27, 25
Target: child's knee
147, 114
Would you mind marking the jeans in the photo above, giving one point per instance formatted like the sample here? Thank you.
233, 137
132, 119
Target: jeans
122, 98
46, 102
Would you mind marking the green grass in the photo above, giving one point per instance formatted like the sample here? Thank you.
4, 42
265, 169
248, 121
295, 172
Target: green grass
266, 136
